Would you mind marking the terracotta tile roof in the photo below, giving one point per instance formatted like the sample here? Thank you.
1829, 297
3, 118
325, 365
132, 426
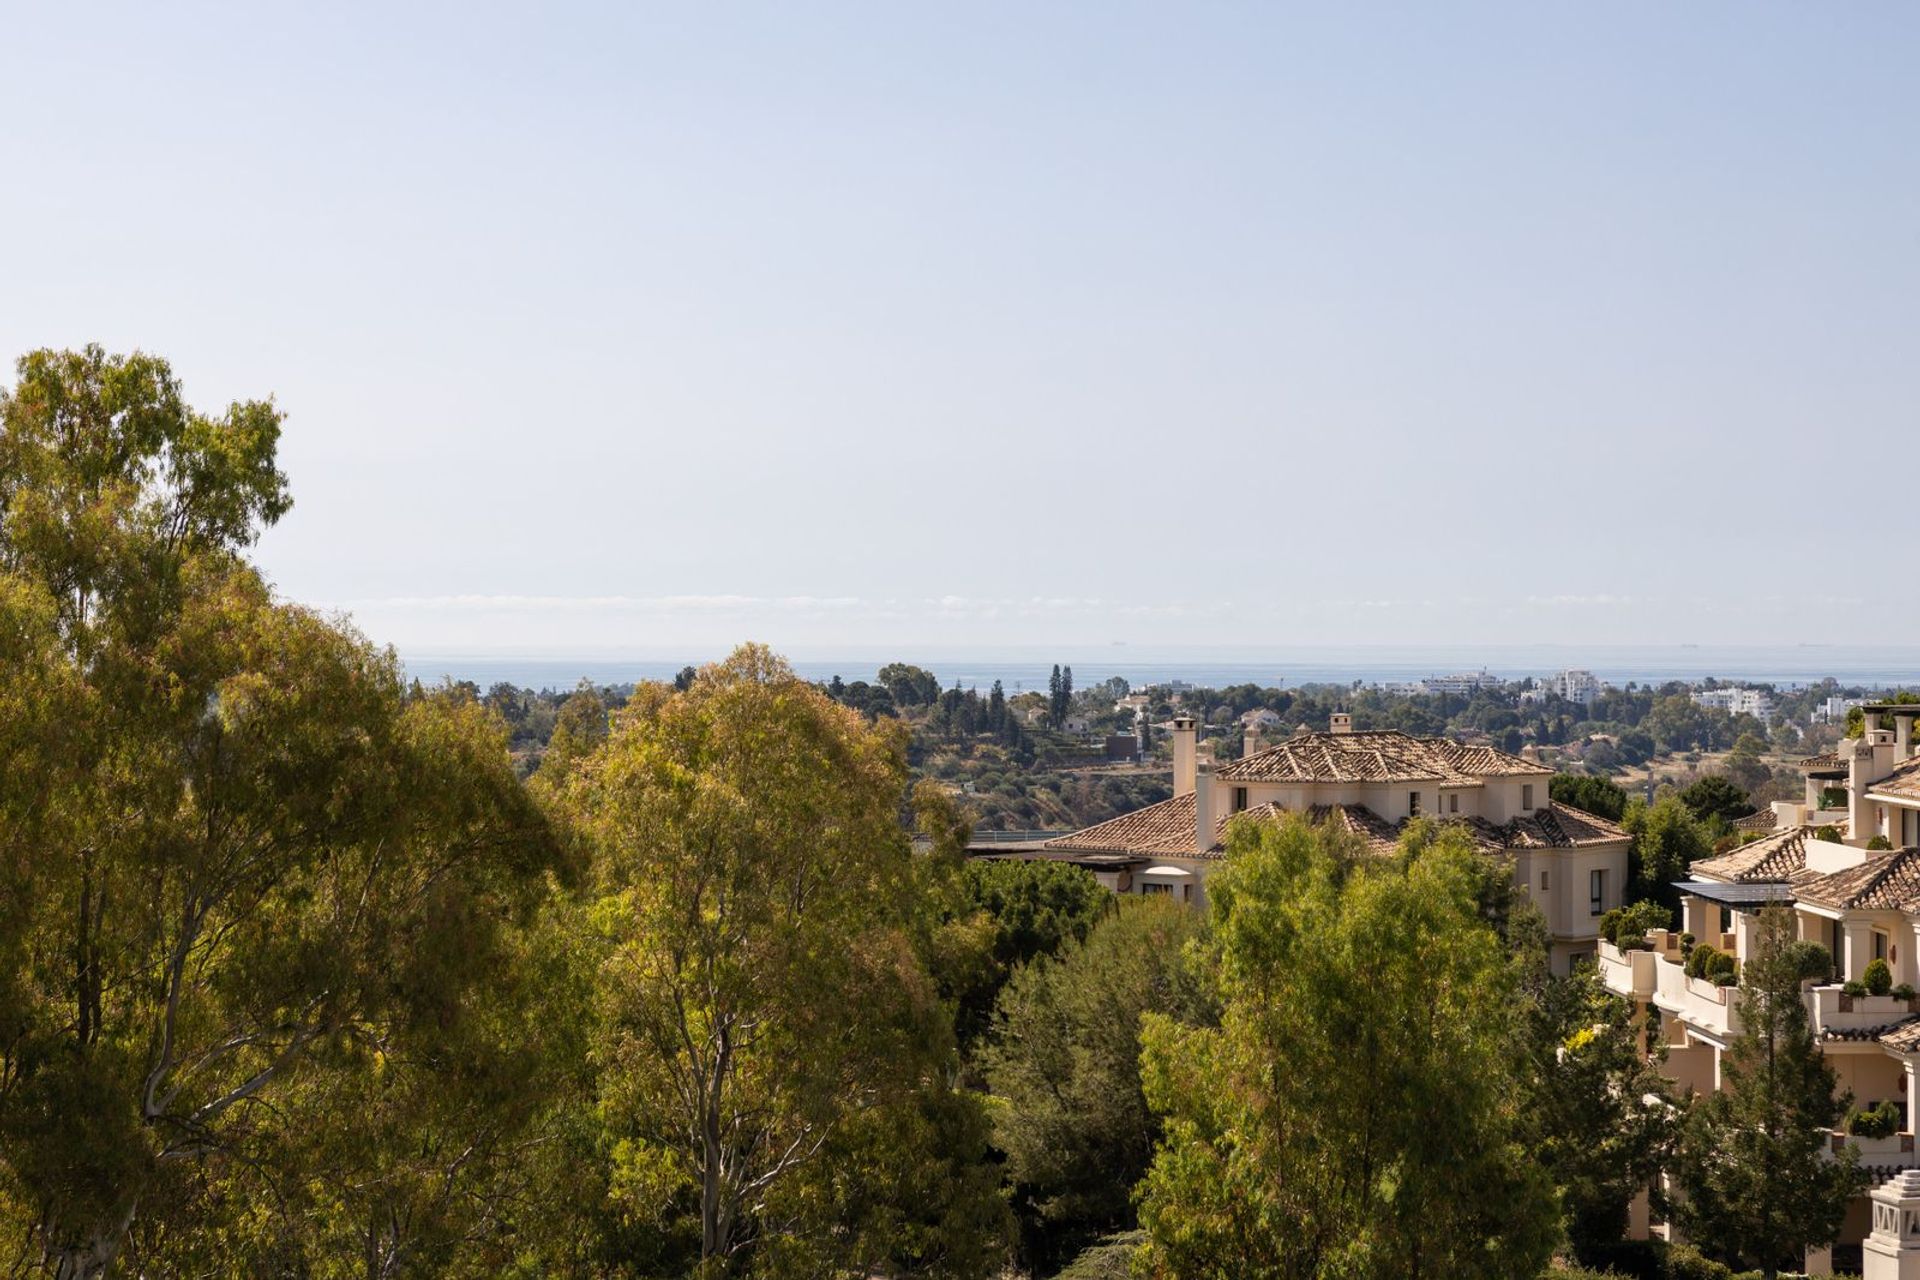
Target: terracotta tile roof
1903, 1037
1165, 828
1769, 859
1763, 820
1884, 882
1379, 756
1828, 763
1904, 781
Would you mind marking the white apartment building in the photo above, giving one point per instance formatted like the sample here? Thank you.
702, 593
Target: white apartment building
1757, 703
1861, 904
1572, 864
1574, 685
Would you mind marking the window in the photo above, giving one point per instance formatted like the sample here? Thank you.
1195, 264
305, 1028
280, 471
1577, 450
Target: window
1413, 804
1879, 945
1239, 799
1526, 795
1453, 803
1543, 882
1147, 886
1726, 919
1596, 891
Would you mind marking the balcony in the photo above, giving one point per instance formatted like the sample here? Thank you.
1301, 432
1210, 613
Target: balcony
1895, 1151
1626, 973
1695, 1001
1836, 1014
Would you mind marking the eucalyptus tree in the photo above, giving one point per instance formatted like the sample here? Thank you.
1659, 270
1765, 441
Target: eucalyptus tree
776, 1065
245, 853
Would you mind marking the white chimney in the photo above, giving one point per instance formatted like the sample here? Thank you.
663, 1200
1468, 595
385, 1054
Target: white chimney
1185, 738
1203, 810
1254, 742
1341, 723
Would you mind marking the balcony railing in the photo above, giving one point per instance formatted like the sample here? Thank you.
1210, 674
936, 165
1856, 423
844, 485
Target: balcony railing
1895, 1151
1834, 1011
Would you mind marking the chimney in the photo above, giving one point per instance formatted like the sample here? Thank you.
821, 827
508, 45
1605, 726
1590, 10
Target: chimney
1254, 742
1203, 809
1140, 734
1341, 723
1185, 738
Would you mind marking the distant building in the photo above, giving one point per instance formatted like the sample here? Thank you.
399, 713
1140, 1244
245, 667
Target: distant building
1463, 684
1574, 685
1834, 710
1757, 703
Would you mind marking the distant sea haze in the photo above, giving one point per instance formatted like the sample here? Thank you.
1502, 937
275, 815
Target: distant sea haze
1874, 667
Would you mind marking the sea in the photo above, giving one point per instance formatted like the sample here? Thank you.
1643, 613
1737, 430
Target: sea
1786, 666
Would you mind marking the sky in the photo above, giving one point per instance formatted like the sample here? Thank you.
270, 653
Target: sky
632, 328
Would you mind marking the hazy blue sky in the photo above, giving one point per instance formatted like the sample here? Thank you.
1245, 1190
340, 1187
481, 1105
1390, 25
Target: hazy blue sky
618, 327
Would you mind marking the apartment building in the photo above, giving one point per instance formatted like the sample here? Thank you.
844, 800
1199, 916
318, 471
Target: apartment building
1573, 864
1757, 703
1862, 904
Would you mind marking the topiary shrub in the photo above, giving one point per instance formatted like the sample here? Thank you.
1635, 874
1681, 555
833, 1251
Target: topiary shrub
1723, 970
1903, 992
1831, 834
1699, 958
1879, 844
1878, 977
1811, 960
1853, 987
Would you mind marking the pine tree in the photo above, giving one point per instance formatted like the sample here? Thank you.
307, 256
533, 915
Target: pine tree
1758, 1186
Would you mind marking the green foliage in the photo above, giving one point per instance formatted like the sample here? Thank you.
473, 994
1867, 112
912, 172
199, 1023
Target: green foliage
1630, 924
1667, 839
1853, 987
1810, 961
774, 1064
1882, 1120
1829, 833
1878, 978
1758, 1187
1110, 1259
1064, 1066
1879, 844
1022, 910
909, 686
1596, 795
1367, 1009
1701, 959
1717, 801
248, 872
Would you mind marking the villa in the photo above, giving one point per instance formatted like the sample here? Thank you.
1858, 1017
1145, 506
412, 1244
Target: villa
1862, 903
1572, 864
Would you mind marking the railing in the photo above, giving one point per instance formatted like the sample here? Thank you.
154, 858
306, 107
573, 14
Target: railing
1834, 1010
1895, 1151
1013, 837
1627, 973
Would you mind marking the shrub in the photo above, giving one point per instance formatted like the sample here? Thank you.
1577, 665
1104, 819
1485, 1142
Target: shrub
1811, 960
1684, 1262
1878, 844
1723, 970
1833, 797
1700, 958
1903, 992
1831, 834
1635, 944
1878, 1121
1878, 977
1853, 988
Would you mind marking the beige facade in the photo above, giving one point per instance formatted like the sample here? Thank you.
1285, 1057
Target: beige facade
1862, 904
1572, 864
